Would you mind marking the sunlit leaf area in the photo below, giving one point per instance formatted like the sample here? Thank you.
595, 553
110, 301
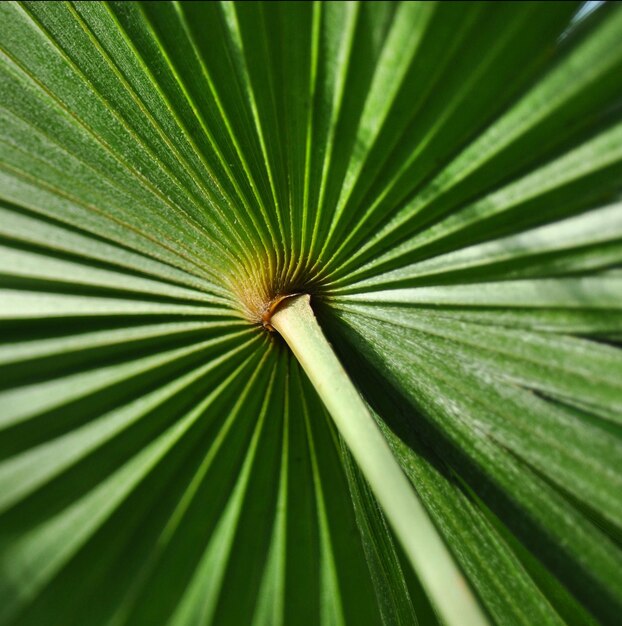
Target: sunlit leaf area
444, 180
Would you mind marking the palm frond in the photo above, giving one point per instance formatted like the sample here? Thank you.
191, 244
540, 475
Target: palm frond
442, 178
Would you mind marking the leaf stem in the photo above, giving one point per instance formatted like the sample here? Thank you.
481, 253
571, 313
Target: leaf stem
425, 548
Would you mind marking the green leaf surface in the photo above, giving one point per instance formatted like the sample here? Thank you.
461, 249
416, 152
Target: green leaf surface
443, 179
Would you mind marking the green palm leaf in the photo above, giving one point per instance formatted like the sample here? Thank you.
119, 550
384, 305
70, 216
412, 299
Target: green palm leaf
444, 180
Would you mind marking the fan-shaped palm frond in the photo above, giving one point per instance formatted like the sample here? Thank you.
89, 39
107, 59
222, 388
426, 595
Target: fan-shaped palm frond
443, 180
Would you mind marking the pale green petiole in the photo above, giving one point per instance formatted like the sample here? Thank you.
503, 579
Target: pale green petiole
426, 550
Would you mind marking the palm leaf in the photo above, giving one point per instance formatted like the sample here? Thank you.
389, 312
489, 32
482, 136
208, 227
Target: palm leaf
444, 180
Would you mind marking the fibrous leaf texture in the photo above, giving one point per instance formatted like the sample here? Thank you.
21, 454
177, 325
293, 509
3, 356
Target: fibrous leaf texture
444, 181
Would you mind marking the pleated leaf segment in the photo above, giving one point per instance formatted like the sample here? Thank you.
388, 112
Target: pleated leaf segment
310, 313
